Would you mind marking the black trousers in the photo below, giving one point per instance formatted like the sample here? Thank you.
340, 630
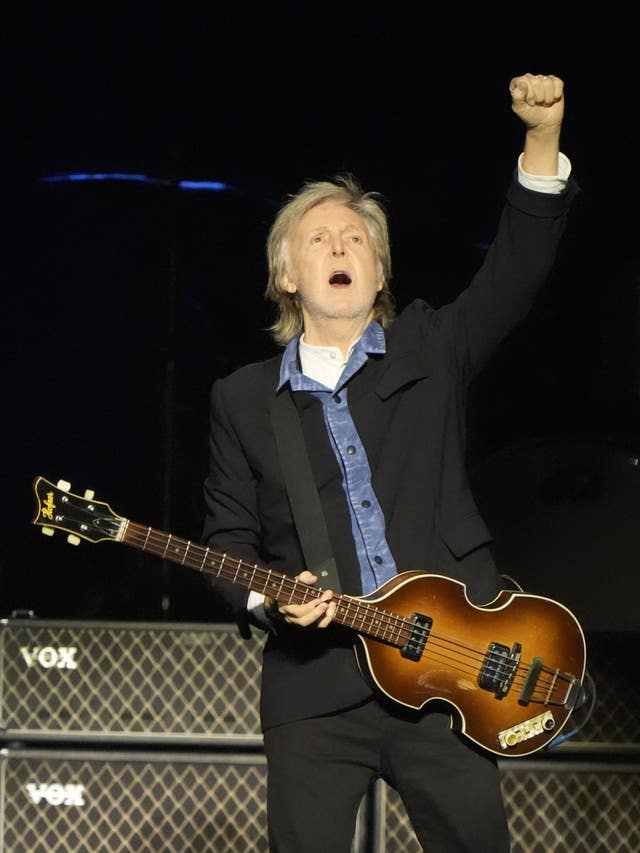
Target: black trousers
319, 769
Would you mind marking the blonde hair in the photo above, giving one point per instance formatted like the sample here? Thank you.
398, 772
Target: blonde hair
344, 189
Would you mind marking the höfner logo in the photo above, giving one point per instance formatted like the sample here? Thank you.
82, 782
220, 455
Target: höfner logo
50, 657
55, 794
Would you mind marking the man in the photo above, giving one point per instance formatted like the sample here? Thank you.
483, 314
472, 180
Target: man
380, 401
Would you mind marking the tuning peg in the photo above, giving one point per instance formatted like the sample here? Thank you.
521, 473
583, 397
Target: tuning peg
72, 539
63, 485
89, 494
48, 531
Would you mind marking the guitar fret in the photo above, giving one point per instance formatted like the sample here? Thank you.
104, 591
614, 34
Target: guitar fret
341, 610
277, 595
362, 612
166, 547
396, 632
387, 627
204, 559
355, 613
186, 551
373, 625
146, 539
235, 574
242, 574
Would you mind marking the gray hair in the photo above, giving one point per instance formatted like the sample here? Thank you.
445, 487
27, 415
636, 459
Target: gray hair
344, 189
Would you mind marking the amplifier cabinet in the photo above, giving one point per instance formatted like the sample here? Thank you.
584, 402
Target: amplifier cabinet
200, 682
108, 801
103, 800
54, 801
563, 806
190, 683
614, 725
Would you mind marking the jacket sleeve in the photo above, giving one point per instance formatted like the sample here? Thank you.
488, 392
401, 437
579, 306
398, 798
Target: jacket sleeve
516, 266
231, 521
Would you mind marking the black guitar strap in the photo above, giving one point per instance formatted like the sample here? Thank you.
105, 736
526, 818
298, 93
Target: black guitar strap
302, 491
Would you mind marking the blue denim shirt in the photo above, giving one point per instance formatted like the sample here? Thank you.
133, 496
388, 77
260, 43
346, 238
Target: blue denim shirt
367, 520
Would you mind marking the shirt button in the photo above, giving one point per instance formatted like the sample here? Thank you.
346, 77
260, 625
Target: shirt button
366, 504
337, 398
351, 450
377, 560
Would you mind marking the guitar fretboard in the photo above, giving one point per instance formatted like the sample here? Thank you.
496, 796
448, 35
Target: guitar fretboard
351, 612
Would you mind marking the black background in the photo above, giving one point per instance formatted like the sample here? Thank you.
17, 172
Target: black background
124, 301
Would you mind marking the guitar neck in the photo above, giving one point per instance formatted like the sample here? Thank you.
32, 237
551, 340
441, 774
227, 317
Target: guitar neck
351, 612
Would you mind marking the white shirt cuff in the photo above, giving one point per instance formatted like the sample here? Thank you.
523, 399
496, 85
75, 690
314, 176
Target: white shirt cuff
255, 606
546, 183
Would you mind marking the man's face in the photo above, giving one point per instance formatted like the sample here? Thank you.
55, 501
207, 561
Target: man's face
332, 267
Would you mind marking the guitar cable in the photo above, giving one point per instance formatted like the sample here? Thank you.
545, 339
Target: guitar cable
588, 693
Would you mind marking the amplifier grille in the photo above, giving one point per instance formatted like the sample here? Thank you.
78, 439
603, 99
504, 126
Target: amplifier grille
573, 809
57, 802
202, 682
54, 801
143, 680
611, 658
567, 808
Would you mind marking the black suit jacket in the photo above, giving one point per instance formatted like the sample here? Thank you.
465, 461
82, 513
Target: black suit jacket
409, 409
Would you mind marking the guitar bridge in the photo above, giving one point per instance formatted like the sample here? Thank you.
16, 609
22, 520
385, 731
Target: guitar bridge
499, 668
421, 628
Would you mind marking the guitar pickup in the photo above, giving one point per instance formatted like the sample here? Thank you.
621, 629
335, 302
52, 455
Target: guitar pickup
499, 667
420, 630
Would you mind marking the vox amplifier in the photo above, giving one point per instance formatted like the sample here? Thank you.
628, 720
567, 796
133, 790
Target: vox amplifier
139, 681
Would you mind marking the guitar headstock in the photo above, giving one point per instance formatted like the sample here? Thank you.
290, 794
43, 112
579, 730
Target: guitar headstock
80, 517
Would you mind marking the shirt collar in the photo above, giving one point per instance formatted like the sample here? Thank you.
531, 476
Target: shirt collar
371, 342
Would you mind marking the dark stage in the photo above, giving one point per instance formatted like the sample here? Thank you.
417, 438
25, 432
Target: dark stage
146, 153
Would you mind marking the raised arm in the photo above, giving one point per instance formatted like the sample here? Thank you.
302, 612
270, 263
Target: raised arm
538, 100
525, 245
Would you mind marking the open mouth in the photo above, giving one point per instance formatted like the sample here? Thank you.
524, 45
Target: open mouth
340, 278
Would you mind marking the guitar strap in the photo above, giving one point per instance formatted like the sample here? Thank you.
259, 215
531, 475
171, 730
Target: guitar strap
301, 488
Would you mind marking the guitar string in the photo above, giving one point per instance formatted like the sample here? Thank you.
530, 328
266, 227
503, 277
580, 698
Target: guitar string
399, 626
291, 585
402, 628
153, 540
